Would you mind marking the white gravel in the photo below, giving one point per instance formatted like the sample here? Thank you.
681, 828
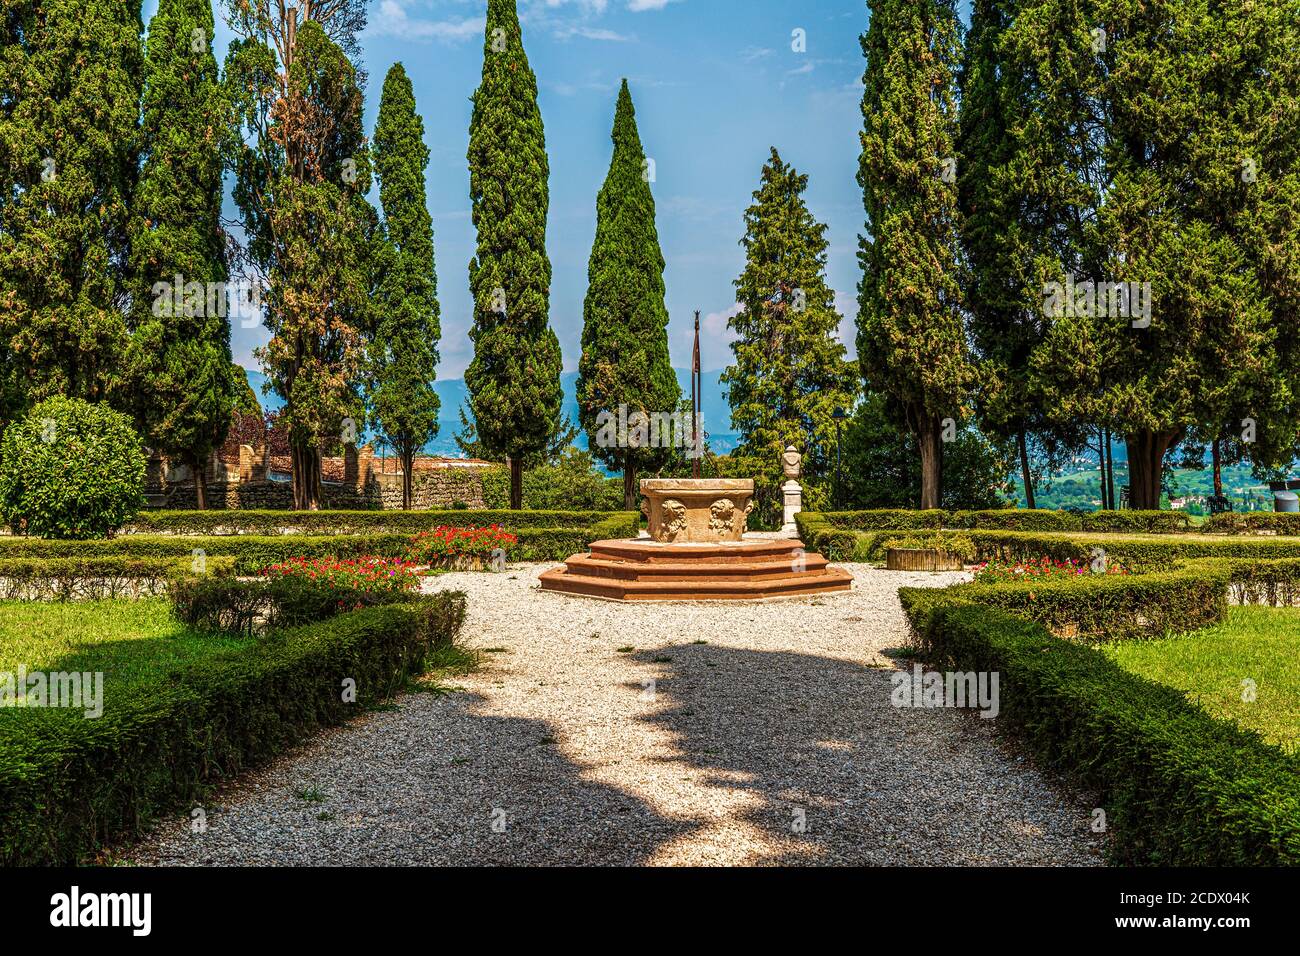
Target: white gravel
561, 750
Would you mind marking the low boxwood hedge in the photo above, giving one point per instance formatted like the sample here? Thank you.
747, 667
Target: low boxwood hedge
1095, 606
105, 576
70, 785
1253, 522
251, 553
1133, 522
1012, 519
269, 522
1138, 552
895, 519
1179, 787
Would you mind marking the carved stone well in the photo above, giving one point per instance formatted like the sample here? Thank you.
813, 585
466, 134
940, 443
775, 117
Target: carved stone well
697, 509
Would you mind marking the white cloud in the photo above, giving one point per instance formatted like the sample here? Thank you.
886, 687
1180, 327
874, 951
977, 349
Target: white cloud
590, 33
640, 6
391, 20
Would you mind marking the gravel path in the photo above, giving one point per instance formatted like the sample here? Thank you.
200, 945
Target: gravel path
606, 733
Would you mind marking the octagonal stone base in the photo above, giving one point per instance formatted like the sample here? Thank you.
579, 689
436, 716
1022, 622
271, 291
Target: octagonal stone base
697, 509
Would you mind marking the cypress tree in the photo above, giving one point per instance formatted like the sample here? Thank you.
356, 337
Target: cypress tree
790, 373
183, 384
625, 322
911, 337
69, 102
302, 172
404, 347
514, 378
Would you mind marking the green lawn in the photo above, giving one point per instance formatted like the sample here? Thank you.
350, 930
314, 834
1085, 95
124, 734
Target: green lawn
128, 641
1213, 666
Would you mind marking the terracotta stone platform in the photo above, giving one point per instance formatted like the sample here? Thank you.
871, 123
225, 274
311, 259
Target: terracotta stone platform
638, 569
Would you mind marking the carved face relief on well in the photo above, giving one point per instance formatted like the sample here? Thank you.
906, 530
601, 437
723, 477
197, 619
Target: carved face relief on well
722, 516
672, 518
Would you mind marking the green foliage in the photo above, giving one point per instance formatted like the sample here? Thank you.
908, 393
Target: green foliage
1133, 522
182, 383
951, 542
1253, 522
1180, 788
309, 228
69, 786
911, 339
70, 469
881, 465
625, 323
70, 77
227, 605
111, 576
352, 522
514, 378
404, 346
789, 373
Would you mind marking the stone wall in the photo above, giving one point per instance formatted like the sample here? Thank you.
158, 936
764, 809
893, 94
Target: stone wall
441, 488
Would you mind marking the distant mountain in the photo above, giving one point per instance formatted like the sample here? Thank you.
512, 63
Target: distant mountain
454, 396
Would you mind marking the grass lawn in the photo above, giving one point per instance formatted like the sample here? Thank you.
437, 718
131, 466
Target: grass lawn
128, 641
1212, 666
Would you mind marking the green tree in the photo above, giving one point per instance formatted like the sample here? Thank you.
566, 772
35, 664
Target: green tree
514, 377
182, 383
70, 75
911, 336
404, 348
1182, 158
302, 170
790, 373
625, 322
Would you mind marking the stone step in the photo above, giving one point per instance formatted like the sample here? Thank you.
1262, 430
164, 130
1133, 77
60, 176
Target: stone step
594, 566
645, 551
826, 580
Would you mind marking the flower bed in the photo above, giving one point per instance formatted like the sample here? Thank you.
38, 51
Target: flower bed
1031, 569
369, 574
449, 547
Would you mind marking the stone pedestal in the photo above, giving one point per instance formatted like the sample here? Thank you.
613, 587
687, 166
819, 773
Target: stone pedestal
697, 509
792, 500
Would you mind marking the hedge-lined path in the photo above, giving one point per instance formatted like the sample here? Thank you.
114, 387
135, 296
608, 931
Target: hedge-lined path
783, 714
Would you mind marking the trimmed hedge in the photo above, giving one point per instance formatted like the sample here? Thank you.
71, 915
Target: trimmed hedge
1094, 606
1135, 522
1011, 519
895, 519
268, 522
70, 785
254, 552
63, 579
240, 607
1253, 522
1138, 552
1180, 788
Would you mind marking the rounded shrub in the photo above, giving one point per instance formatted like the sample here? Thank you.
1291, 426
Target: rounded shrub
70, 469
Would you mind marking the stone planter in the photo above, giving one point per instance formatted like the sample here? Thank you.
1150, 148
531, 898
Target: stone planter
697, 509
921, 559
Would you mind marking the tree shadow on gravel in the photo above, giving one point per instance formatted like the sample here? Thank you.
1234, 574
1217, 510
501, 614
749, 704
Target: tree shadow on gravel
835, 774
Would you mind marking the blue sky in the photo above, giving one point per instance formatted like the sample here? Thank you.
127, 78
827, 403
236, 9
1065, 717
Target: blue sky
715, 83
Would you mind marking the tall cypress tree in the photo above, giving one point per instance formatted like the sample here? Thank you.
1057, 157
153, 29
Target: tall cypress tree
911, 338
514, 378
182, 381
404, 348
70, 89
302, 172
625, 322
790, 373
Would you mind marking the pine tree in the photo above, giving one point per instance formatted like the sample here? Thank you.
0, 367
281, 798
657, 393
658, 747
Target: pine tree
70, 77
514, 378
911, 338
790, 373
404, 349
183, 384
625, 322
302, 172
